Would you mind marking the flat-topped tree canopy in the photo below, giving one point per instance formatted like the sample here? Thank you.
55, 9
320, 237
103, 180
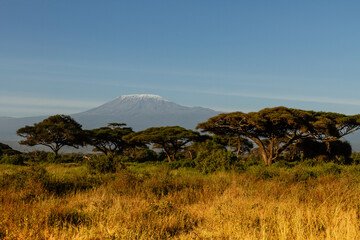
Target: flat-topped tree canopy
110, 139
332, 126
54, 132
274, 129
171, 138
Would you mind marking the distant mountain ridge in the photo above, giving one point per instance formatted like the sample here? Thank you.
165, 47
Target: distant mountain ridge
142, 111
139, 111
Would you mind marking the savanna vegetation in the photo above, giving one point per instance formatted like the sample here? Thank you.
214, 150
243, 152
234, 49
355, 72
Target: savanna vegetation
278, 173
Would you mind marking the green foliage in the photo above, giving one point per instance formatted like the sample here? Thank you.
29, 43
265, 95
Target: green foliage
263, 172
54, 132
271, 129
38, 156
35, 181
71, 158
183, 163
170, 139
144, 155
18, 159
214, 160
338, 151
64, 158
237, 144
52, 158
356, 158
110, 139
106, 163
31, 181
207, 156
49, 157
293, 172
7, 150
274, 130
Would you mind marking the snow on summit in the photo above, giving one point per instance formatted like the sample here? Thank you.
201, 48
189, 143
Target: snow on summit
141, 97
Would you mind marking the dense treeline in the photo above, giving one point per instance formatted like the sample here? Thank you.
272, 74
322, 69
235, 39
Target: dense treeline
287, 176
271, 134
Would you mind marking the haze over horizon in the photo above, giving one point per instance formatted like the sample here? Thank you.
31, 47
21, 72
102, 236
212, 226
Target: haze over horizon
70, 56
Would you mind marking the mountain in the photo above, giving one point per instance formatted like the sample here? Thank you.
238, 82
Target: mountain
143, 111
137, 111
9, 126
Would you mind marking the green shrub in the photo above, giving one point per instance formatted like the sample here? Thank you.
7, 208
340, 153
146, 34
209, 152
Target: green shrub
38, 156
302, 173
50, 157
310, 162
317, 170
70, 158
183, 163
356, 158
284, 164
105, 163
343, 160
29, 183
331, 168
145, 155
13, 159
215, 160
35, 180
75, 183
263, 172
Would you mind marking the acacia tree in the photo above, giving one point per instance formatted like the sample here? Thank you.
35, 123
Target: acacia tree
170, 139
110, 139
271, 129
54, 132
329, 127
236, 143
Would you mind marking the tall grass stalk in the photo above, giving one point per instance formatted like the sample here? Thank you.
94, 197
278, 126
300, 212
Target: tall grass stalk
179, 204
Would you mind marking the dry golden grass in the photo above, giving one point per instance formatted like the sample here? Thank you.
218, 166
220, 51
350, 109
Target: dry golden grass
168, 204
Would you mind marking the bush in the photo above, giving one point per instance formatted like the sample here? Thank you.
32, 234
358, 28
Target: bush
264, 172
13, 159
284, 164
50, 157
38, 156
356, 158
145, 155
70, 158
28, 183
183, 163
215, 160
105, 163
301, 173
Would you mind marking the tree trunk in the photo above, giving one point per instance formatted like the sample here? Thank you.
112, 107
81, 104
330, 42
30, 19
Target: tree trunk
190, 153
265, 157
168, 156
238, 148
328, 148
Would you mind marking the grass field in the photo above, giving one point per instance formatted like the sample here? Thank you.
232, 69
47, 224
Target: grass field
153, 201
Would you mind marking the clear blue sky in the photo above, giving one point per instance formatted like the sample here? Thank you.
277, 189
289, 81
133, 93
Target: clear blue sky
68, 56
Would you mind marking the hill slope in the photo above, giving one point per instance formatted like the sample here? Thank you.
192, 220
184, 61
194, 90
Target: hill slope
143, 111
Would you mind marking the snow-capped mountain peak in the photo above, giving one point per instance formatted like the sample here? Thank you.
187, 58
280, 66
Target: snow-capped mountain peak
141, 111
138, 97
